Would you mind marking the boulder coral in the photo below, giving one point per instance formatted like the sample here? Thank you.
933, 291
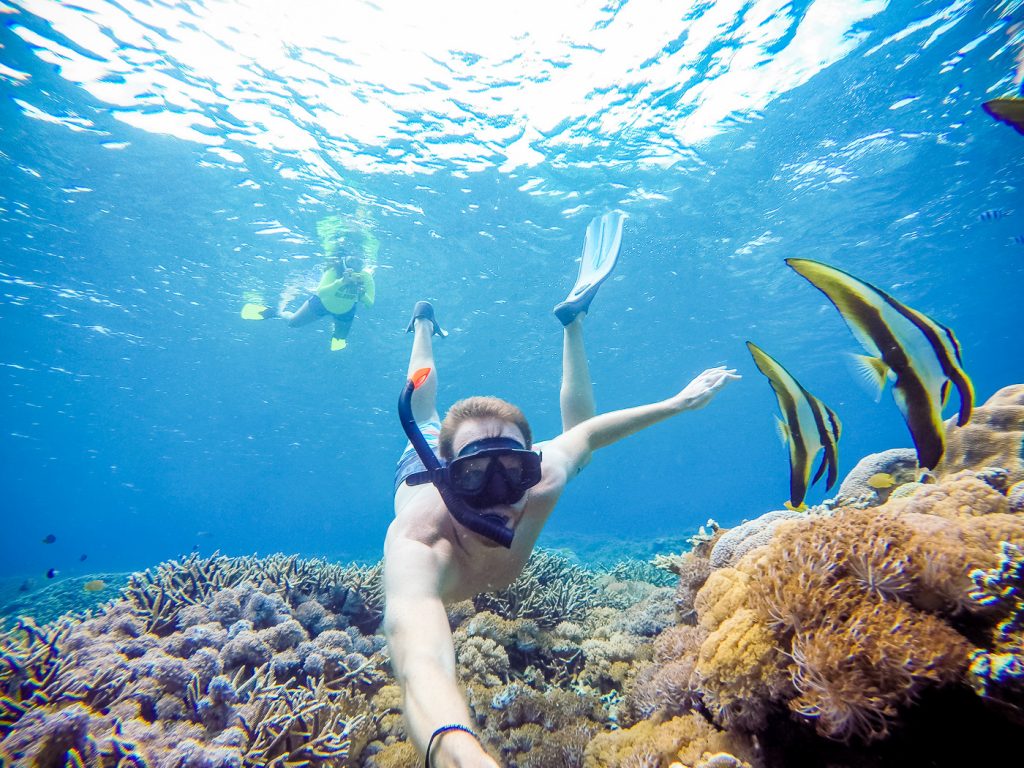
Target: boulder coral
992, 438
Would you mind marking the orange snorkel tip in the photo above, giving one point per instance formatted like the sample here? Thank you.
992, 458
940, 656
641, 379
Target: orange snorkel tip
419, 377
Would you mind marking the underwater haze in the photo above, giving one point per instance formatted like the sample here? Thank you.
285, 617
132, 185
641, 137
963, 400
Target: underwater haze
163, 163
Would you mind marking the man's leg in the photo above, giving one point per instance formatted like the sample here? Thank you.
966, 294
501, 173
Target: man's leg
577, 394
307, 313
424, 399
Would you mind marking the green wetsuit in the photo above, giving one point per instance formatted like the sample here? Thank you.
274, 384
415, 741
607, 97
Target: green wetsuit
340, 297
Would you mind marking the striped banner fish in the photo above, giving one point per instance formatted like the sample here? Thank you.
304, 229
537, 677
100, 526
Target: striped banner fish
919, 355
807, 426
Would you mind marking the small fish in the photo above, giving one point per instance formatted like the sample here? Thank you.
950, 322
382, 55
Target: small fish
82, 558
50, 538
921, 357
993, 215
881, 480
807, 427
26, 585
51, 573
96, 585
1018, 239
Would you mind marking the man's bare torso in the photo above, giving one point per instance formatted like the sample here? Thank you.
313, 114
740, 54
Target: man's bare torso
470, 564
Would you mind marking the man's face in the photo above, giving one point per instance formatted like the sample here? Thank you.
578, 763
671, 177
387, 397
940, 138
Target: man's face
472, 430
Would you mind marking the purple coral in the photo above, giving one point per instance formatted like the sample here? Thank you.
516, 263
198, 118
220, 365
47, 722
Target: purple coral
265, 610
246, 649
285, 635
226, 606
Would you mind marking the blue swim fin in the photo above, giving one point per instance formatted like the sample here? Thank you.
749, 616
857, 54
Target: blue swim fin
600, 252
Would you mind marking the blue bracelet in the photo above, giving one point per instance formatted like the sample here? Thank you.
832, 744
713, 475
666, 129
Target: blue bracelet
445, 729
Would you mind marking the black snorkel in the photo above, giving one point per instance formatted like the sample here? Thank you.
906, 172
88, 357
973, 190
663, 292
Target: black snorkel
488, 526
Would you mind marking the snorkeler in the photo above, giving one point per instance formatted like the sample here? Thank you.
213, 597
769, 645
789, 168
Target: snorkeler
343, 286
472, 494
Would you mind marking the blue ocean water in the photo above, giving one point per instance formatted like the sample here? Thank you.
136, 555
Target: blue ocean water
164, 162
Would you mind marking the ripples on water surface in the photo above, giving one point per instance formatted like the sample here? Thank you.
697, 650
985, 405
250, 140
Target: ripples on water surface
162, 161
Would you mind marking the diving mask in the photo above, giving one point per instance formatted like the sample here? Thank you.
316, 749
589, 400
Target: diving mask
493, 471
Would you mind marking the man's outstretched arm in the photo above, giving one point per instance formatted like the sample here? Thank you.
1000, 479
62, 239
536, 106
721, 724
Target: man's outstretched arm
578, 443
423, 655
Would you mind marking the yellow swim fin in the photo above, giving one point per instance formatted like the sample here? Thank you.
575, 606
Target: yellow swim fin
338, 344
257, 312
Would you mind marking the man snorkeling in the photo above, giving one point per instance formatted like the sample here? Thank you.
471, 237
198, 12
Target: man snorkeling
472, 494
344, 285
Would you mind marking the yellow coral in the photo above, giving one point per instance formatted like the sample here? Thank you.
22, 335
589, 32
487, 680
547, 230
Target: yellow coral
722, 594
683, 739
739, 665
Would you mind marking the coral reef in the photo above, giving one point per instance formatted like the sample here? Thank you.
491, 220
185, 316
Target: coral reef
842, 622
685, 739
992, 438
227, 662
795, 639
855, 490
200, 662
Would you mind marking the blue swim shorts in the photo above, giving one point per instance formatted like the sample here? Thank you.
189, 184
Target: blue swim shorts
410, 463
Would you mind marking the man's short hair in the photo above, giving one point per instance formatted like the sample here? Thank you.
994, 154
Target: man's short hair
480, 407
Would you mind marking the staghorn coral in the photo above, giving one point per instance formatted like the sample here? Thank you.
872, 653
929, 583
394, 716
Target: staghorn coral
642, 570
550, 589
992, 438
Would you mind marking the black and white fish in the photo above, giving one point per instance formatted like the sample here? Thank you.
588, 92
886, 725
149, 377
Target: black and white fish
922, 357
807, 426
994, 214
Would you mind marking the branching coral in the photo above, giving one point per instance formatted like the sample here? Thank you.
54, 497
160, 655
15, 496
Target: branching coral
998, 672
551, 589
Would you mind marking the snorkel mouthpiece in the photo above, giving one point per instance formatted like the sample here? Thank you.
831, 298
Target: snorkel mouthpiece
488, 526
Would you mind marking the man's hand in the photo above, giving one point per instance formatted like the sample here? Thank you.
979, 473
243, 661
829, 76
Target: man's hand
703, 388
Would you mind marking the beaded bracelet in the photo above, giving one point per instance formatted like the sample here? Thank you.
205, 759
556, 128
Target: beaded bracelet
445, 729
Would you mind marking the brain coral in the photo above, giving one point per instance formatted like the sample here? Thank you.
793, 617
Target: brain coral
992, 438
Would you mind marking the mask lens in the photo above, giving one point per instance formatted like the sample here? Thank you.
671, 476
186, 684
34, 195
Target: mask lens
512, 466
470, 474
